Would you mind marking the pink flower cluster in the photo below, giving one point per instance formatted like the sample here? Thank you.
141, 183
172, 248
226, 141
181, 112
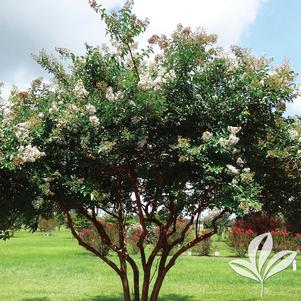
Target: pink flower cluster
238, 230
84, 231
284, 233
134, 233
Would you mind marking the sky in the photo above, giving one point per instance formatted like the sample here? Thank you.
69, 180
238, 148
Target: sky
266, 26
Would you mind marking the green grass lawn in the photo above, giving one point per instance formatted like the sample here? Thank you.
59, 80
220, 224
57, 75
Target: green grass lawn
34, 267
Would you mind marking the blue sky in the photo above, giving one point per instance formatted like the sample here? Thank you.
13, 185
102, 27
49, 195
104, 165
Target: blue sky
276, 32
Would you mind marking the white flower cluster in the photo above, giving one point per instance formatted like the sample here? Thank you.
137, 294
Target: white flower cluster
240, 161
246, 176
207, 135
53, 109
110, 95
234, 129
94, 121
162, 76
62, 51
90, 109
293, 134
247, 206
72, 108
233, 139
235, 151
145, 81
30, 153
22, 130
79, 89
61, 123
37, 203
232, 170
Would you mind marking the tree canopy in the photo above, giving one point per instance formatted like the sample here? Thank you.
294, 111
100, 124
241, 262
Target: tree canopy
162, 132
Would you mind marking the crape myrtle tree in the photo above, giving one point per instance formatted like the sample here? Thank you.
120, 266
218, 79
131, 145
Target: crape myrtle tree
161, 133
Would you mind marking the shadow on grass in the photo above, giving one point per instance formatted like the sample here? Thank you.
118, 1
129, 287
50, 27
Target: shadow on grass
103, 298
174, 297
36, 299
253, 299
169, 297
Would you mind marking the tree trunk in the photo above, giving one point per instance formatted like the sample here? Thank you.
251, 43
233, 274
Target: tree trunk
136, 287
157, 287
126, 288
135, 278
161, 274
145, 286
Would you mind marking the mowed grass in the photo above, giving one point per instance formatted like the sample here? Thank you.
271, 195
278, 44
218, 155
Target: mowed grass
34, 267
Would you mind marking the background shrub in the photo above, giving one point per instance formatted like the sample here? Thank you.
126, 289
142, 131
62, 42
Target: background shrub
203, 248
285, 241
47, 225
259, 223
238, 239
132, 238
92, 238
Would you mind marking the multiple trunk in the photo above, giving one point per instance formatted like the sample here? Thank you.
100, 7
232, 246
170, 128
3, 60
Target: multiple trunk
153, 274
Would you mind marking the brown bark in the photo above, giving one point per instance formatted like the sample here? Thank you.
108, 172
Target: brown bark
164, 268
149, 264
145, 285
157, 287
124, 279
161, 275
122, 251
143, 235
165, 233
135, 278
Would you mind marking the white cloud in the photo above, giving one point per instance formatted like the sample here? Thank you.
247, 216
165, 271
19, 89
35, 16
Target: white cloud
227, 18
294, 108
26, 28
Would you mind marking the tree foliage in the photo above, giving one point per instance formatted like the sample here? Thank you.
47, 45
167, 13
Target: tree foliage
161, 133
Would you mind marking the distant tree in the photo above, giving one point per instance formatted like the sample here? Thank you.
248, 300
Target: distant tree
222, 224
277, 160
129, 132
60, 220
47, 225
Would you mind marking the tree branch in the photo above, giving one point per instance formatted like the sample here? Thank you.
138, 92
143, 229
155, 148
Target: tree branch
100, 229
195, 241
141, 218
88, 247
